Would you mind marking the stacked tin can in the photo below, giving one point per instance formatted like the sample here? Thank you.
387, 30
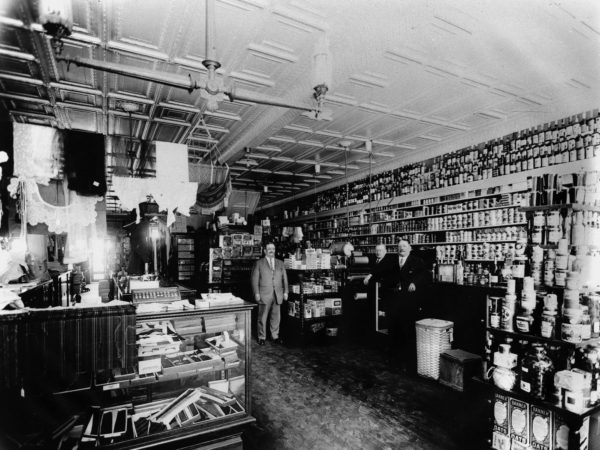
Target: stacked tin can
509, 306
548, 325
561, 262
524, 321
537, 261
572, 312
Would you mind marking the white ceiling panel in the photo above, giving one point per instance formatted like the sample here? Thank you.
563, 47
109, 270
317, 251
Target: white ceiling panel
414, 76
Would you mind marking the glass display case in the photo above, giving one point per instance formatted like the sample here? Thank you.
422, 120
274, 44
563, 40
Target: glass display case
176, 378
192, 379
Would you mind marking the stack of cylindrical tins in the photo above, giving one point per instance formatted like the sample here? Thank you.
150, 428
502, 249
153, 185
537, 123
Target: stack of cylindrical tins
509, 306
537, 262
573, 320
524, 321
561, 262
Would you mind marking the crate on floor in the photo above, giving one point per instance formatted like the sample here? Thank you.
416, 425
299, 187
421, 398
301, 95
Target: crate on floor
433, 337
457, 367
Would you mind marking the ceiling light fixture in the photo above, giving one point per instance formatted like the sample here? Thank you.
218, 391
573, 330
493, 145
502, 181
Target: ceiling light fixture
246, 160
212, 89
56, 17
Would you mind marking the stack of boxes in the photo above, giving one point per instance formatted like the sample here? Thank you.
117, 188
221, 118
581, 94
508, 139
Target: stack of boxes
519, 425
311, 260
321, 308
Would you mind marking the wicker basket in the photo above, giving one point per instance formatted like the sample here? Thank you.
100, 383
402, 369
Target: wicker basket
434, 336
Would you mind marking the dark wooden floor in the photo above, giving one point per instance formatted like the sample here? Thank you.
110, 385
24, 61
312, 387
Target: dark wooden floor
346, 396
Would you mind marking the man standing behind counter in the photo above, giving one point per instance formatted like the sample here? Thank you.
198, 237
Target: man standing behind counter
270, 288
402, 278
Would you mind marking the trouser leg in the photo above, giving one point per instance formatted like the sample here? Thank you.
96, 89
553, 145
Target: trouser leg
263, 315
275, 319
394, 329
408, 337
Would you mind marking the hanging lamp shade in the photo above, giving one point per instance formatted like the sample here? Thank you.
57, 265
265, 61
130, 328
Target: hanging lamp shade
56, 16
322, 64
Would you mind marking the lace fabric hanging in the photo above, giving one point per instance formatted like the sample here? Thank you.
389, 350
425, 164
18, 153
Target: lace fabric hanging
37, 152
79, 212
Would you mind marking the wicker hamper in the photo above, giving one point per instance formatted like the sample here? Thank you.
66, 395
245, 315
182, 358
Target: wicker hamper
433, 337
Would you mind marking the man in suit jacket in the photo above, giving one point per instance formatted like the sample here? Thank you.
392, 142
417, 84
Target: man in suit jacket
270, 288
402, 278
380, 254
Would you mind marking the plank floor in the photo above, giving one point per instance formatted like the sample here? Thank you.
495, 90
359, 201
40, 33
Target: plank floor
346, 396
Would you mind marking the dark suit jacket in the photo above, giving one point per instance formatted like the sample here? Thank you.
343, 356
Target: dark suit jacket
269, 284
380, 268
391, 277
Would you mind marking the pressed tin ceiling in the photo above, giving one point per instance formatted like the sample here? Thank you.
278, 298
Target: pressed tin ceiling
416, 78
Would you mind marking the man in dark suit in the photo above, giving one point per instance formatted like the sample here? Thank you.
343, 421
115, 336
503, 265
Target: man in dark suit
379, 264
380, 254
402, 278
270, 288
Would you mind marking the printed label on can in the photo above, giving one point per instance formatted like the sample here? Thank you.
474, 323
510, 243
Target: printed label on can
495, 320
547, 329
571, 333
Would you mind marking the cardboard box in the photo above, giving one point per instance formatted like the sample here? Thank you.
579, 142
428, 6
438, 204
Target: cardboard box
519, 421
562, 431
540, 427
333, 311
518, 446
333, 302
500, 441
500, 414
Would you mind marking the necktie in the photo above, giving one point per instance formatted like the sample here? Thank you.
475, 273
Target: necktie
401, 262
271, 264
378, 259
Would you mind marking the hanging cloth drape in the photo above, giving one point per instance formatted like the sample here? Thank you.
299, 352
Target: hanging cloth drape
214, 186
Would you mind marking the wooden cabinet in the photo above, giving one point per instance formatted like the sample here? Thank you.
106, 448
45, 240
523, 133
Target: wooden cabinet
185, 257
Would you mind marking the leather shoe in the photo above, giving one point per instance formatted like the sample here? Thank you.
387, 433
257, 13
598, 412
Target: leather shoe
278, 341
261, 342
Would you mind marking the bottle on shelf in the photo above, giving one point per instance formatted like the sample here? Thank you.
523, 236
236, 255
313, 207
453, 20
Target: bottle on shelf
460, 273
